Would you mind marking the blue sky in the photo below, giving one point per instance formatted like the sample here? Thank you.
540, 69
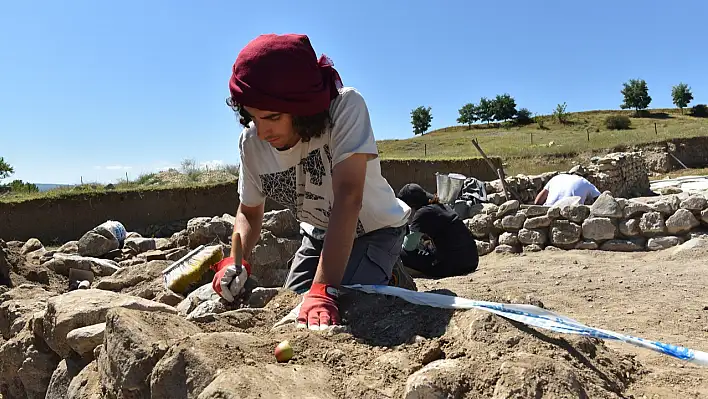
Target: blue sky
95, 89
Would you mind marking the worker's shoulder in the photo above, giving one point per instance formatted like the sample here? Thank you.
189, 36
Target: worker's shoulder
249, 137
349, 99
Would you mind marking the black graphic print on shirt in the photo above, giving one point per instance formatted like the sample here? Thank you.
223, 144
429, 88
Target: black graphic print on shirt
314, 167
280, 187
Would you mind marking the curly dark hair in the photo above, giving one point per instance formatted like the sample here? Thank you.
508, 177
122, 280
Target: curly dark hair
307, 127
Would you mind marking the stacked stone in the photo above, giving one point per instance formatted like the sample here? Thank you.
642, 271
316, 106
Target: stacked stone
623, 174
609, 224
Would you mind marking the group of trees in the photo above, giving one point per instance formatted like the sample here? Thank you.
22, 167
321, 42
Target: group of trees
16, 185
503, 107
500, 108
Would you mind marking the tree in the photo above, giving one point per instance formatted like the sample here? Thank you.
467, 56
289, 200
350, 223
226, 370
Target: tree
421, 118
681, 95
5, 169
560, 114
468, 115
636, 95
504, 107
485, 110
523, 116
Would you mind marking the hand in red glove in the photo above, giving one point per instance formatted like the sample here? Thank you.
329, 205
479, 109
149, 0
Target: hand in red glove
318, 309
230, 278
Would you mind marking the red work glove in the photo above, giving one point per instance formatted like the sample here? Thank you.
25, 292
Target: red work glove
319, 308
230, 278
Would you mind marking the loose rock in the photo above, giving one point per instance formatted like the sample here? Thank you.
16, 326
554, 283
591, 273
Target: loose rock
629, 227
564, 232
532, 237
480, 225
537, 222
652, 224
606, 206
84, 340
281, 223
31, 245
658, 243
575, 213
508, 208
513, 222
694, 203
599, 228
682, 221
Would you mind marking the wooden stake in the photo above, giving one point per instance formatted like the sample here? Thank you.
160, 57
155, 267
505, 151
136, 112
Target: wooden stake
499, 172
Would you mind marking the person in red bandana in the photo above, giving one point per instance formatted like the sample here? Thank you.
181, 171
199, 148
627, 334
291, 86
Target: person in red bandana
308, 144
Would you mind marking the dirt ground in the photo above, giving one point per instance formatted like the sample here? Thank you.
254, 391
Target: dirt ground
658, 296
653, 295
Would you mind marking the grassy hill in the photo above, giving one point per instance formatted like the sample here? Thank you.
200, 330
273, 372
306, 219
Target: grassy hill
522, 146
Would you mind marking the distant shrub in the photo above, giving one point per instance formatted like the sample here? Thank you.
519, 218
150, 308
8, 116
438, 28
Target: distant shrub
560, 113
508, 124
617, 122
699, 110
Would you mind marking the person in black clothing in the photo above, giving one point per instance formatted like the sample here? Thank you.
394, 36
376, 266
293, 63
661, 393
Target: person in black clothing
454, 251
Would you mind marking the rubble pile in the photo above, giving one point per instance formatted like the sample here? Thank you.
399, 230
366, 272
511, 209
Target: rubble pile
122, 334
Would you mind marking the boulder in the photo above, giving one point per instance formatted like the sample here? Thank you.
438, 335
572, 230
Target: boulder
659, 243
484, 209
483, 247
587, 245
83, 308
480, 225
206, 311
623, 245
554, 212
18, 306
533, 211
513, 222
195, 298
84, 340
439, 379
629, 227
179, 239
525, 375
31, 245
531, 236
635, 208
26, 366
668, 205
281, 223
575, 212
191, 365
694, 203
537, 222
681, 222
510, 239
270, 258
532, 248
133, 276
704, 216
61, 378
62, 263
260, 296
206, 231
652, 224
565, 232
134, 342
506, 249
272, 381
97, 242
155, 254
606, 206
508, 208
599, 228
169, 298
140, 245
86, 384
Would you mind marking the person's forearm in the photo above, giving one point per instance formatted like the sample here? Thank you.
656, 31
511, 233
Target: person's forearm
339, 240
248, 226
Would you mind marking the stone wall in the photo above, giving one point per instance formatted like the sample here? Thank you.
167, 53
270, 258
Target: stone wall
609, 224
398, 173
624, 174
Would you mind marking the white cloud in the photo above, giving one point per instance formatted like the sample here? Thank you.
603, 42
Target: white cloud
118, 167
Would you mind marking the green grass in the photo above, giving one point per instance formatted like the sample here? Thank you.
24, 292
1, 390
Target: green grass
570, 138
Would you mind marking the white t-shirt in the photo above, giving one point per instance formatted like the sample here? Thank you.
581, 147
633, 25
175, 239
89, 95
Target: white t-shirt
300, 178
565, 185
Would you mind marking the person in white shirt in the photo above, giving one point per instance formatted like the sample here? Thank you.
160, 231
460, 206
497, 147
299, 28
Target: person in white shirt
308, 144
565, 186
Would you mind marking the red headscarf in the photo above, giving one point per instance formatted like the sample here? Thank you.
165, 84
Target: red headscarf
281, 73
